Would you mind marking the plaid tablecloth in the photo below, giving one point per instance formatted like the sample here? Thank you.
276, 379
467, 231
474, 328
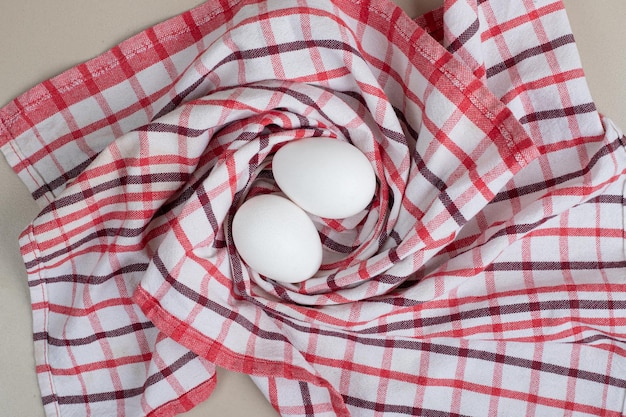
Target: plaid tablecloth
487, 277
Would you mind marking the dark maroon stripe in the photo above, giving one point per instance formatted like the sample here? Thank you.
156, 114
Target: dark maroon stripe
558, 113
174, 129
396, 409
529, 53
178, 99
96, 235
331, 282
421, 165
182, 197
389, 280
309, 411
397, 137
608, 199
95, 337
452, 208
407, 127
62, 180
91, 279
464, 37
599, 338
167, 371
554, 266
552, 182
93, 398
385, 279
498, 311
161, 177
423, 169
335, 246
282, 48
512, 361
205, 201
393, 255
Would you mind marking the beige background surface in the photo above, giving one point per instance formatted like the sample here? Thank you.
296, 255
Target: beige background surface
40, 39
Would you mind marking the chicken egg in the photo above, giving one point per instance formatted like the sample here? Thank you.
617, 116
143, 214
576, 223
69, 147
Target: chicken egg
326, 177
277, 239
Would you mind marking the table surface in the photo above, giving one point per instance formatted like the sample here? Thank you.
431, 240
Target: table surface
41, 39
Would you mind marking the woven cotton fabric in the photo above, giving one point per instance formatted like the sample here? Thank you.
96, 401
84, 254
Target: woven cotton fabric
486, 278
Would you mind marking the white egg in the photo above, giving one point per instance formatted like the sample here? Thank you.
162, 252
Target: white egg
277, 239
326, 177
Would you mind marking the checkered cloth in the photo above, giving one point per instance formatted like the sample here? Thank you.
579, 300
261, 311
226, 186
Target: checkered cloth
487, 277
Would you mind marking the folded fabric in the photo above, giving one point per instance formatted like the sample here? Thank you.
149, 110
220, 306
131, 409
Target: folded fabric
487, 277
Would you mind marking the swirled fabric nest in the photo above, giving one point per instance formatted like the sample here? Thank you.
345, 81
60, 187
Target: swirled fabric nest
486, 275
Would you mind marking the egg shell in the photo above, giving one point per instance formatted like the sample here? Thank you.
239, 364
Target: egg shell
326, 177
277, 239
